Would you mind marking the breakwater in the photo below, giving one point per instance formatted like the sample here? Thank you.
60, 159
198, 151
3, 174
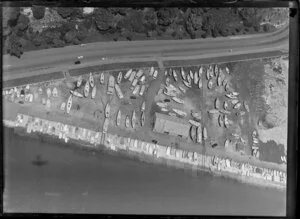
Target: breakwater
154, 153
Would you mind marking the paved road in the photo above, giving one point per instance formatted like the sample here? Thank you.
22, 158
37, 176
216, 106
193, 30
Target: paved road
65, 57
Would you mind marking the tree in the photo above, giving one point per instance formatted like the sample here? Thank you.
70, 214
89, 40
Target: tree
70, 36
64, 12
150, 20
104, 20
23, 22
15, 48
166, 16
38, 12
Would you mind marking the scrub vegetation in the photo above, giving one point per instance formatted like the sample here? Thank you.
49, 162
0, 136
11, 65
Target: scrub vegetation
35, 28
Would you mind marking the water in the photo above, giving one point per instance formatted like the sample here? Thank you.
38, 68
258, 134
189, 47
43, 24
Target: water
78, 182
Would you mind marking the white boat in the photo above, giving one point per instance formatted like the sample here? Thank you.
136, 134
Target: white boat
127, 122
219, 80
91, 80
128, 73
210, 84
216, 70
183, 75
155, 74
143, 107
200, 72
175, 75
143, 119
163, 109
86, 89
139, 73
77, 94
217, 103
199, 134
213, 111
196, 115
166, 72
191, 75
224, 82
107, 110
208, 76
160, 104
204, 133
225, 112
237, 106
189, 79
227, 70
179, 112
102, 78
226, 122
172, 114
178, 100
133, 119
226, 144
230, 96
182, 89
235, 93
136, 89
151, 71
143, 87
167, 81
170, 93
200, 83
134, 83
119, 116
79, 81
225, 105
69, 104
119, 79
220, 120
63, 106
143, 78
132, 76
94, 92
119, 92
234, 101
193, 133
196, 78
194, 123
187, 84
246, 106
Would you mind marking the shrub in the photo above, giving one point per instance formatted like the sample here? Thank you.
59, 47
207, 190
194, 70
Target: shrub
38, 12
14, 46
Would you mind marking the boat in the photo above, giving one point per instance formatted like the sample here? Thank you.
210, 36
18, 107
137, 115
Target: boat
235, 93
225, 112
200, 83
136, 89
208, 76
119, 116
196, 78
166, 72
143, 78
172, 114
226, 144
175, 75
227, 70
75, 93
219, 80
107, 110
143, 107
134, 83
183, 75
102, 78
119, 92
143, 119
128, 73
91, 80
127, 122
132, 75
213, 111
179, 112
234, 101
167, 81
191, 75
163, 109
246, 106
160, 104
139, 74
133, 119
187, 84
237, 106
182, 89
200, 72
142, 90
178, 100
204, 133
155, 74
189, 79
79, 81
216, 70
226, 122
230, 96
210, 84
217, 103
224, 82
86, 89
151, 71
194, 123
119, 79
94, 92
199, 134
220, 120
225, 105
193, 133
196, 115
69, 104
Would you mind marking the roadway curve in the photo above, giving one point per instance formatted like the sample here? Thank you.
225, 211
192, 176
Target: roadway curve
163, 49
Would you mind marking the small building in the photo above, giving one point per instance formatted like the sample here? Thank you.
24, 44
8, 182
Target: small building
171, 125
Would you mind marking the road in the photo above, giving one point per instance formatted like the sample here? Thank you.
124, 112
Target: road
162, 49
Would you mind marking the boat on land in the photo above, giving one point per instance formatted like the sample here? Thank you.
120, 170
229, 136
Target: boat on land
79, 81
227, 70
102, 78
155, 74
132, 75
75, 93
86, 89
227, 142
183, 75
127, 122
142, 79
128, 73
237, 106
216, 70
143, 118
226, 121
204, 133
182, 89
119, 92
151, 71
94, 90
213, 111
172, 114
69, 104
180, 112
220, 120
231, 96
200, 83
199, 134
225, 112
217, 103
133, 119
175, 75
193, 133
224, 82
119, 116
246, 106
200, 72
119, 79
194, 123
136, 89
142, 90
143, 107
219, 80
225, 105
107, 110
134, 83
178, 100
91, 80
191, 74
187, 84
139, 74
189, 79
196, 78
163, 109
235, 93
196, 115
160, 104
234, 101
167, 81
210, 84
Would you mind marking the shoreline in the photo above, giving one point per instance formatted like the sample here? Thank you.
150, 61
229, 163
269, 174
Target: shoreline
158, 155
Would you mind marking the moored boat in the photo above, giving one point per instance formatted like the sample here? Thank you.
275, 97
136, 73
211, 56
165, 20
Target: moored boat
225, 112
102, 78
127, 122
204, 133
107, 110
69, 104
217, 103
200, 83
200, 72
119, 79
119, 116
136, 89
189, 79
132, 76
194, 123
133, 119
182, 89
210, 84
180, 112
193, 133
178, 100
199, 134
151, 71
227, 70
175, 75
226, 122
196, 115
230, 96
183, 75
75, 93
143, 118
246, 106
225, 105
94, 92
196, 78
143, 107
86, 89
187, 84
216, 70
237, 106
167, 81
220, 120
91, 80
79, 81
191, 75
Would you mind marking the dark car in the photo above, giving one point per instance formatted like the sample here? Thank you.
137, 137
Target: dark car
77, 62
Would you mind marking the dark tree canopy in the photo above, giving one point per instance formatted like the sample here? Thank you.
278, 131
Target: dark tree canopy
64, 12
104, 20
38, 12
14, 46
166, 16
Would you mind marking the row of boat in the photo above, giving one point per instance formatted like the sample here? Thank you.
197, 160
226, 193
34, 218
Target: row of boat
198, 134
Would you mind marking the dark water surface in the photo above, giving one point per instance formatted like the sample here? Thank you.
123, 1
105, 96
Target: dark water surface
77, 182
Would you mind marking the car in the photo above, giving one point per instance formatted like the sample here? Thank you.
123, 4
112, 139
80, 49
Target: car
77, 62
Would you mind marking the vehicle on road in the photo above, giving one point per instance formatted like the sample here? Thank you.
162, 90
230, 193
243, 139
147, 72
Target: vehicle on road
77, 62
